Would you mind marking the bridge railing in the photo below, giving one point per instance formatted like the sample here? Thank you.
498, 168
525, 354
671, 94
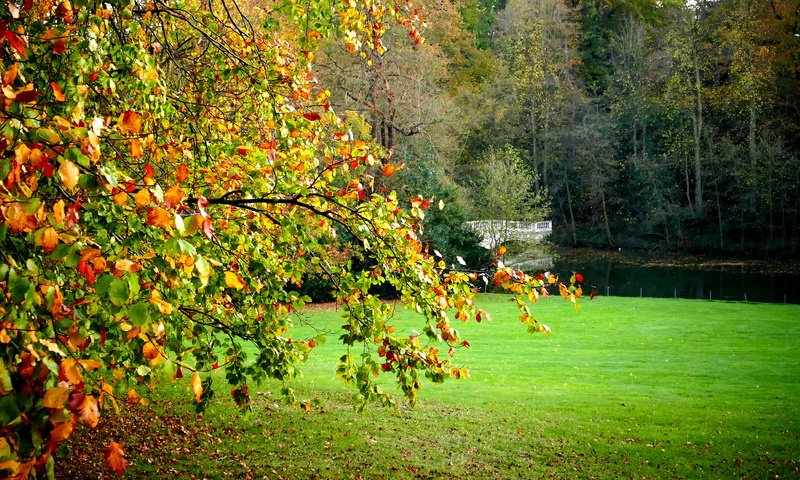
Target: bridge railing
511, 225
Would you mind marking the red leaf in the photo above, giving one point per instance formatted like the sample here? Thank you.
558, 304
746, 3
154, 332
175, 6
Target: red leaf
48, 170
27, 96
72, 214
593, 294
148, 171
311, 116
207, 228
59, 47
16, 43
202, 203
178, 372
579, 277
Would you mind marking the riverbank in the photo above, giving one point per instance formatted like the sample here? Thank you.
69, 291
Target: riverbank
638, 258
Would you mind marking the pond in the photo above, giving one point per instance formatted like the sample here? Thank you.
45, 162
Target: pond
719, 283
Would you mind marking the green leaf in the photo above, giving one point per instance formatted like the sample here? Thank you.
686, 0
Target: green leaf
19, 287
138, 314
119, 292
102, 284
9, 410
5, 380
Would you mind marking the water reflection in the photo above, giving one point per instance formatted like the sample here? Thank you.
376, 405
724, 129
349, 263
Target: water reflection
722, 283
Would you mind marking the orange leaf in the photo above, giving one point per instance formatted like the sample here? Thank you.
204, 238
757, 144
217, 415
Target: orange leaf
142, 197
68, 172
197, 387
69, 370
136, 148
173, 197
89, 412
183, 173
120, 198
10, 75
388, 170
59, 94
115, 458
90, 365
62, 431
502, 250
131, 121
159, 217
55, 397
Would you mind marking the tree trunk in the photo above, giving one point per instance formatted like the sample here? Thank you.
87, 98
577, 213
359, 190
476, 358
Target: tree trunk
569, 207
605, 218
698, 129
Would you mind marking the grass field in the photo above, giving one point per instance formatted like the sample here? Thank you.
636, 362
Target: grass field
625, 388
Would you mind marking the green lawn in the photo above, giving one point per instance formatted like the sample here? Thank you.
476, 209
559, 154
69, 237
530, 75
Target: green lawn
624, 388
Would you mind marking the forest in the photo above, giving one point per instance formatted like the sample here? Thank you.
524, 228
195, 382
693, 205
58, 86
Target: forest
664, 125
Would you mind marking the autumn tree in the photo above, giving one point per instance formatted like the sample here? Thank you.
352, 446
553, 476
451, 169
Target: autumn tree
170, 171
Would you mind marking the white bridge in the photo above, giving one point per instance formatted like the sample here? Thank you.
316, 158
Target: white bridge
497, 232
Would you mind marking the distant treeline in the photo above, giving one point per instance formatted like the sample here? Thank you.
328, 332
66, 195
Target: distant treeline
643, 123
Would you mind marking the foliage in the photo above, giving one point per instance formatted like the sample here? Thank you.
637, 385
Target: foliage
171, 172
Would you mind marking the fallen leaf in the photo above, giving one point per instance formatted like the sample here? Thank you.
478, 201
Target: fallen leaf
115, 458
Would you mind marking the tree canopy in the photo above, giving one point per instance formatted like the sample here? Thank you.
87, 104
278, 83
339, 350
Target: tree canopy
171, 170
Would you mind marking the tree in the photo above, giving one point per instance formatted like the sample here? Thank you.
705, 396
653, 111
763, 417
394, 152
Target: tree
169, 173
504, 193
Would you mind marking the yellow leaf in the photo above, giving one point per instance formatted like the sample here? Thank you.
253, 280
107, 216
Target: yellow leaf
153, 353
109, 391
55, 397
52, 346
197, 387
142, 197
164, 307
232, 281
68, 172
58, 212
46, 238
